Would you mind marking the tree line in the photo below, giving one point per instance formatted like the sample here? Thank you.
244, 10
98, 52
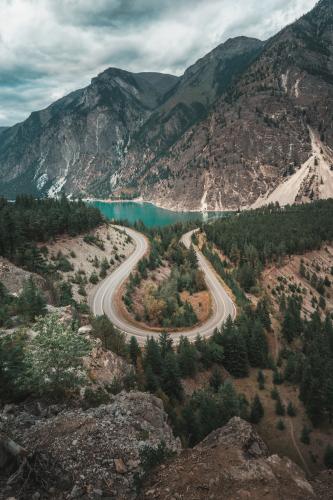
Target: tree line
29, 221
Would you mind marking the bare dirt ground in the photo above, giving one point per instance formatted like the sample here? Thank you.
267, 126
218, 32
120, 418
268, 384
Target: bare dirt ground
113, 244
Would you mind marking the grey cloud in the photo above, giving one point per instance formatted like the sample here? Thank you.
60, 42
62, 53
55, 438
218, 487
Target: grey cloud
51, 47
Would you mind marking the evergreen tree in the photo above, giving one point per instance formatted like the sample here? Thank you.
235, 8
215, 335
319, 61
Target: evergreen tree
257, 346
257, 410
165, 342
152, 356
291, 410
305, 436
215, 380
235, 352
328, 457
31, 303
261, 380
279, 408
134, 350
275, 394
187, 358
230, 402
151, 381
263, 313
170, 380
280, 425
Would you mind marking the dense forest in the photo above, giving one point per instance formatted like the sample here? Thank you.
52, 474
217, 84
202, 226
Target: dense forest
28, 221
253, 238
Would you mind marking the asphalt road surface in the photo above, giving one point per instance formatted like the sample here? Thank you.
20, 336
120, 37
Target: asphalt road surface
103, 300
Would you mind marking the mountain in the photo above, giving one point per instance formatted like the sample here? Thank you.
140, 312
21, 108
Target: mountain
58, 147
247, 124
268, 138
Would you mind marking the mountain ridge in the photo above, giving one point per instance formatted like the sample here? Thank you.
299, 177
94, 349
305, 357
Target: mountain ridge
223, 135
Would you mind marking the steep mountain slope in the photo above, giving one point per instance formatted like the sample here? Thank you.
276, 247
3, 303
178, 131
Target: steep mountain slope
249, 123
80, 143
61, 145
258, 134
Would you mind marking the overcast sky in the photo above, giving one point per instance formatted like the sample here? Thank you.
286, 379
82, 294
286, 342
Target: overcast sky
51, 47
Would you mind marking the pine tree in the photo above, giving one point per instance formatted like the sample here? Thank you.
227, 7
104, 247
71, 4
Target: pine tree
275, 394
257, 410
328, 457
165, 342
257, 346
134, 350
279, 408
31, 303
235, 354
153, 356
215, 380
305, 435
263, 313
280, 425
261, 380
291, 410
230, 402
187, 358
151, 381
192, 258
170, 381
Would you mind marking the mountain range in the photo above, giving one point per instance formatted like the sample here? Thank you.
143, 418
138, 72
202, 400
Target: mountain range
248, 124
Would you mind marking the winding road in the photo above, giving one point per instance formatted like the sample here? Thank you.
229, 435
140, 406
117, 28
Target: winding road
103, 300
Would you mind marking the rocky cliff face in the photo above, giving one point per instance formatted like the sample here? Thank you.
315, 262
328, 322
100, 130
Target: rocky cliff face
232, 462
243, 126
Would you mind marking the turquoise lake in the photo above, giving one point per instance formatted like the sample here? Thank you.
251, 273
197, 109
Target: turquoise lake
148, 213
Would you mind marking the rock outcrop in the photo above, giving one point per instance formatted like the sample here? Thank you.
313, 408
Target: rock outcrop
231, 463
98, 450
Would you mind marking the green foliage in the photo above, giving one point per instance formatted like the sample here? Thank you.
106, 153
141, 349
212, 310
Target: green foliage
30, 220
280, 425
279, 408
170, 379
152, 456
111, 338
206, 411
291, 410
215, 380
31, 302
257, 410
187, 358
273, 231
134, 350
305, 435
53, 358
328, 457
12, 367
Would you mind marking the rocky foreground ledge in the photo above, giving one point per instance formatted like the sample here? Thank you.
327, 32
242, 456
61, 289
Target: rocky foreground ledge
58, 453
231, 463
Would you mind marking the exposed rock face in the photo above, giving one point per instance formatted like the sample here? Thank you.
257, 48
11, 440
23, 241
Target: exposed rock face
231, 463
240, 123
13, 277
99, 449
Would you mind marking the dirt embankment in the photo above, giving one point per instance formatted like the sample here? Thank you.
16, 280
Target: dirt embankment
86, 254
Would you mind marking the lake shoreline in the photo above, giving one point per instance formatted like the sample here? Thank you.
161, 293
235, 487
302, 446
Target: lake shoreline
157, 205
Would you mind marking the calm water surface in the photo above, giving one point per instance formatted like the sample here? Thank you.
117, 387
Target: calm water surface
149, 214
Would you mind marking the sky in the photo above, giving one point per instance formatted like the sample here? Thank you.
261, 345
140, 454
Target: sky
50, 47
